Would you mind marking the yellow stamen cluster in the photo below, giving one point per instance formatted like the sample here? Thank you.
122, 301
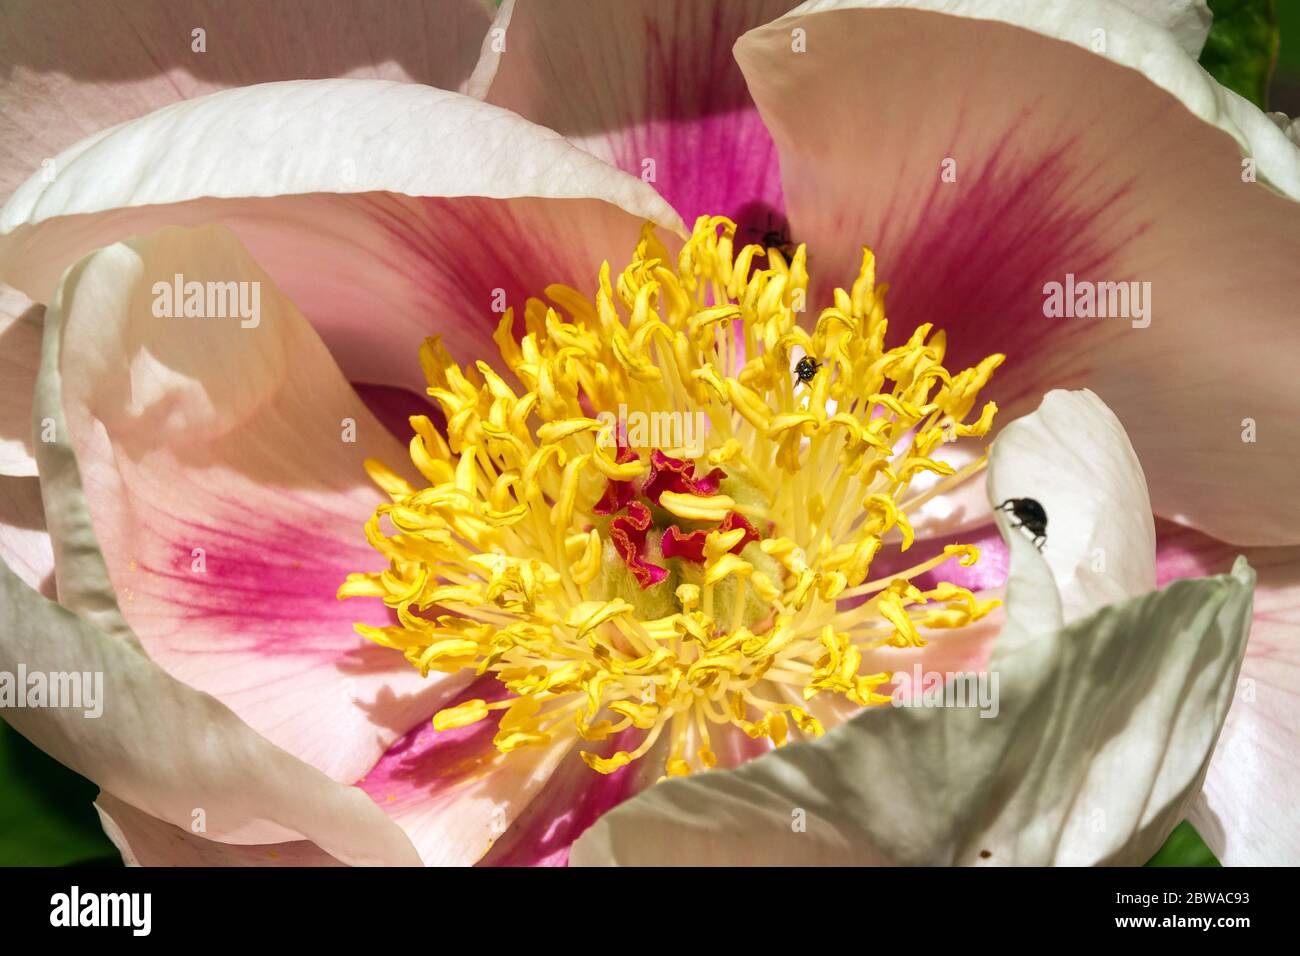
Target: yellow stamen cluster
500, 564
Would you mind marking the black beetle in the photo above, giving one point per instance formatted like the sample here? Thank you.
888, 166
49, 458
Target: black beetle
806, 369
1031, 515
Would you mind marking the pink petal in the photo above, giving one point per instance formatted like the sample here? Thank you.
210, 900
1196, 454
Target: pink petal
1067, 162
1248, 814
225, 496
79, 66
643, 80
987, 574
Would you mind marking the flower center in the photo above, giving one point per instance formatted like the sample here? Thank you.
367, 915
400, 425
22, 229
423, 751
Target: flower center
654, 598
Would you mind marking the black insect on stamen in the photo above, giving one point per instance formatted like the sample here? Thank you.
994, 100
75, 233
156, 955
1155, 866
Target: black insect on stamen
1031, 516
806, 369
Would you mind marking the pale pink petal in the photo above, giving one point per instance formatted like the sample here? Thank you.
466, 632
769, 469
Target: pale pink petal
79, 66
20, 355
1249, 815
221, 466
24, 543
652, 88
1245, 812
983, 150
385, 211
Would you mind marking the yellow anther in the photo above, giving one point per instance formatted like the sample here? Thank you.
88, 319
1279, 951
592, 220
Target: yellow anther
697, 507
643, 716
725, 566
554, 432
462, 715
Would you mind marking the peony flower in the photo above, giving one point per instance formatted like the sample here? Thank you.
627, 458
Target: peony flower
664, 651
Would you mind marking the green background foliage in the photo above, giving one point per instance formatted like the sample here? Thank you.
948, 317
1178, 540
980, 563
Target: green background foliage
1243, 45
46, 812
1288, 21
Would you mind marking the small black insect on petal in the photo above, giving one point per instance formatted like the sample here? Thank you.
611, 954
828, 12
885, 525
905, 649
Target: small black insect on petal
1030, 515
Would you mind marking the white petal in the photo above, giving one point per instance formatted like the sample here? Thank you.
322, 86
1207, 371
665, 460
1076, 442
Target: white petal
147, 841
1188, 20
1073, 458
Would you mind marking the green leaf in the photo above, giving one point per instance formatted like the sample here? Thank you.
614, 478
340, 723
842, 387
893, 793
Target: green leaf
1288, 22
1184, 848
1241, 50
46, 812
